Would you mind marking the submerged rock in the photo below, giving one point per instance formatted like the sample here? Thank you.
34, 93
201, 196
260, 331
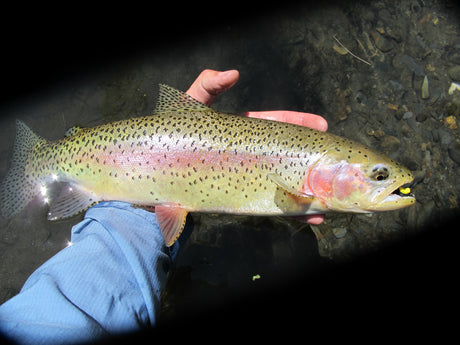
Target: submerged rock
412, 65
454, 151
381, 42
390, 144
454, 73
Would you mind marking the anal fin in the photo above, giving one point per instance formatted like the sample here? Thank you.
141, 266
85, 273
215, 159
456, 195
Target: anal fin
171, 219
71, 200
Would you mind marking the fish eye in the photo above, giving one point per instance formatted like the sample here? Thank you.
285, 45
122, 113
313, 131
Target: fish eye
380, 172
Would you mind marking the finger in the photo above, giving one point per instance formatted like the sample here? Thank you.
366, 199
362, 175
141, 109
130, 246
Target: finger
314, 219
210, 83
303, 119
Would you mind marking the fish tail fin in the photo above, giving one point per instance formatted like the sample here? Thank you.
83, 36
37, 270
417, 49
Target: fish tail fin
19, 186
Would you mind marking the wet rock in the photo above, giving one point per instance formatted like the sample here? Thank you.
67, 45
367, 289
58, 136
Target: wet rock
436, 95
411, 158
421, 117
417, 107
339, 232
453, 108
390, 144
397, 89
382, 43
361, 98
435, 134
368, 15
406, 130
9, 236
454, 151
393, 34
444, 137
413, 124
454, 73
421, 41
412, 65
408, 115
379, 133
399, 114
454, 57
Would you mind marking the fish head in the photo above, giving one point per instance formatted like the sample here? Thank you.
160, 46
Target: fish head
359, 180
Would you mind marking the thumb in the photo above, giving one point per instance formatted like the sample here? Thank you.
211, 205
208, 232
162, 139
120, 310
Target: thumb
210, 83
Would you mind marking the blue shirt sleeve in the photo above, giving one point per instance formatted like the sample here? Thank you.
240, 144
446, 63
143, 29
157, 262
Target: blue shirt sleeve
107, 282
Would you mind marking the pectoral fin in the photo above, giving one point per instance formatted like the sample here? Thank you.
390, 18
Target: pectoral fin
171, 220
278, 180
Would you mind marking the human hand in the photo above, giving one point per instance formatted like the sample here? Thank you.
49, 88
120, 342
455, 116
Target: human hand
210, 83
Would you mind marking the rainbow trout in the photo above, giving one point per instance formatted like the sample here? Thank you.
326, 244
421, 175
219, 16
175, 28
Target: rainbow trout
189, 158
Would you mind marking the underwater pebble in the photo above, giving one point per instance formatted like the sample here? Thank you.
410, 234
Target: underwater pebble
420, 41
435, 134
361, 98
382, 43
421, 117
390, 144
413, 124
435, 95
417, 108
444, 137
379, 133
407, 115
412, 65
454, 151
339, 232
405, 129
454, 73
453, 108
397, 89
399, 114
454, 57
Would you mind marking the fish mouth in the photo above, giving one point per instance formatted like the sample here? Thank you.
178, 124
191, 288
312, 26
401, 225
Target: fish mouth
391, 198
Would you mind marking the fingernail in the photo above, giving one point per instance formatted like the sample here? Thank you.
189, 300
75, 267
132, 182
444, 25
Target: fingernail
230, 72
225, 73
324, 126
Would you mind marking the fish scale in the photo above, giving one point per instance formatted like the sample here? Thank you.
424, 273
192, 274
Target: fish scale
189, 158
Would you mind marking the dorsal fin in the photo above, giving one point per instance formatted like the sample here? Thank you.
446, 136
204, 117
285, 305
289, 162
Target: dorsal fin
171, 100
73, 130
